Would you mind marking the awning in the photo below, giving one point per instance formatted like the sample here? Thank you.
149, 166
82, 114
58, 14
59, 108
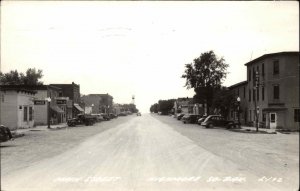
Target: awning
78, 107
56, 109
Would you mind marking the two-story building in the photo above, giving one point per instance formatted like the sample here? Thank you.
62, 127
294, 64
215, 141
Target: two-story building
273, 90
240, 109
72, 91
106, 103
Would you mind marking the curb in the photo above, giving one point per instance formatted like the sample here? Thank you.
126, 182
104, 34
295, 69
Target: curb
251, 131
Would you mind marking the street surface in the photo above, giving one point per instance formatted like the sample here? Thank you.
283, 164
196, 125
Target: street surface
154, 152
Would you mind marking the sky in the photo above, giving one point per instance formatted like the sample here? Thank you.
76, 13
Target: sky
140, 48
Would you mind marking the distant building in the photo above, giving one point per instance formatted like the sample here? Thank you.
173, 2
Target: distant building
92, 103
239, 90
106, 103
72, 91
17, 107
183, 105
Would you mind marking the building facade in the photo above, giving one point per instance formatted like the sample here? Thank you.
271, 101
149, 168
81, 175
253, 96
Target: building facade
72, 91
240, 109
273, 90
183, 105
92, 102
106, 103
17, 107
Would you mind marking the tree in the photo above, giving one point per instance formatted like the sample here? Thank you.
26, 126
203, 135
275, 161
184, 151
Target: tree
154, 108
205, 75
32, 77
223, 101
15, 78
10, 78
165, 106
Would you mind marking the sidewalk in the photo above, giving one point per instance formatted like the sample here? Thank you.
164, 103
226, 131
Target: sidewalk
259, 129
42, 128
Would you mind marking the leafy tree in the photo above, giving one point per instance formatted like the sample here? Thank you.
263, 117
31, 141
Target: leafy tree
223, 101
205, 75
165, 106
10, 78
31, 77
154, 108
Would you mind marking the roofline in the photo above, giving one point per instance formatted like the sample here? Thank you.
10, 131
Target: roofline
272, 54
31, 87
238, 84
18, 90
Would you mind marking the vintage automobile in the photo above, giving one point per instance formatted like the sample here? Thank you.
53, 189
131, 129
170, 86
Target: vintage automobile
190, 118
138, 114
105, 116
81, 119
5, 134
218, 121
179, 116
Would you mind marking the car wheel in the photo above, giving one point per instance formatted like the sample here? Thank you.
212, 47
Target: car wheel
211, 125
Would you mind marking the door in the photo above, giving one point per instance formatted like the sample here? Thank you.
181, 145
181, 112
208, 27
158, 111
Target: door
273, 120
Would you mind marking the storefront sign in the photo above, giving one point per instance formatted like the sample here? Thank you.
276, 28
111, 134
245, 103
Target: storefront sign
39, 102
61, 101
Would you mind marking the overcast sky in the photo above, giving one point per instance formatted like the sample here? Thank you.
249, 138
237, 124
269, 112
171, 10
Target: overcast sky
140, 48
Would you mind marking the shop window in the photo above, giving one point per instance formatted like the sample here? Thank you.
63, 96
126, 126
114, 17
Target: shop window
253, 94
276, 67
30, 113
297, 115
25, 112
263, 93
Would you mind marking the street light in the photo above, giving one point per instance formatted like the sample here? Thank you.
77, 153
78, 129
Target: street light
48, 99
92, 108
238, 99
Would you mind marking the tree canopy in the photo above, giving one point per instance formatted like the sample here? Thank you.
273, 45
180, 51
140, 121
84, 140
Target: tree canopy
31, 77
205, 74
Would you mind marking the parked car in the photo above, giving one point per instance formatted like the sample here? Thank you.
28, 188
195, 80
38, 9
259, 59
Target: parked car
201, 119
5, 134
179, 116
112, 116
98, 117
190, 118
105, 116
85, 119
218, 121
122, 114
138, 114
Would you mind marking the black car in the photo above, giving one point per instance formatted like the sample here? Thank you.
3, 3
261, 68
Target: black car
218, 121
179, 116
201, 119
190, 118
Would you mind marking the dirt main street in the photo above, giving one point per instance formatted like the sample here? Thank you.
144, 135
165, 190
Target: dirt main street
159, 153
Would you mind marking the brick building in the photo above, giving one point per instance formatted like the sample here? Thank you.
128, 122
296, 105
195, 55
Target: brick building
72, 91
